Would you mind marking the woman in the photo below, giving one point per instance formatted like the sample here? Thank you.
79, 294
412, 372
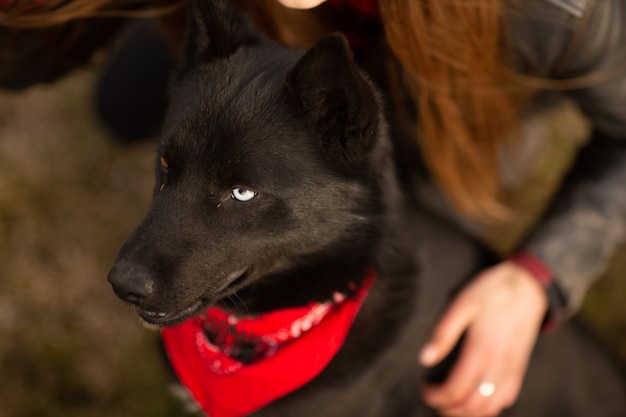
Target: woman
468, 73
472, 69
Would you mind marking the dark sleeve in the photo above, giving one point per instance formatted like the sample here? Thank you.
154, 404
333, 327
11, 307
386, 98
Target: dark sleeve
31, 56
586, 221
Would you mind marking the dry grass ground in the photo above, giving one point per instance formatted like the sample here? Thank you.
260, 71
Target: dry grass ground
69, 196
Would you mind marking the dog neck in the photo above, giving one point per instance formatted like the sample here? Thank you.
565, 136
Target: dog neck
235, 365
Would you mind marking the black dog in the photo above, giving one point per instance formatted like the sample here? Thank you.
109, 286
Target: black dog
277, 201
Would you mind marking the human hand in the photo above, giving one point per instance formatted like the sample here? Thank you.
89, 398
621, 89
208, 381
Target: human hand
501, 312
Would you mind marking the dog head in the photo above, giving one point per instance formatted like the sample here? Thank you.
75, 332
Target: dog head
266, 171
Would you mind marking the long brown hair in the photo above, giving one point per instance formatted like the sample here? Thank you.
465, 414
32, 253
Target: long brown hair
467, 100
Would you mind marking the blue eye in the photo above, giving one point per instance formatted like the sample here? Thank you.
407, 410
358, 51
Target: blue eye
243, 194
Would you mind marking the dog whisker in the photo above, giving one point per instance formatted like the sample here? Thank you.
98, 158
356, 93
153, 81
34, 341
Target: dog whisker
236, 299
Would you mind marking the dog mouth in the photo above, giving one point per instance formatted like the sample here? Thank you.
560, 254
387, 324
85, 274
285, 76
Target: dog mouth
164, 319
161, 318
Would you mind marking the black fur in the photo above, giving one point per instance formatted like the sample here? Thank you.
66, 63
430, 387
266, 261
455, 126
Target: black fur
305, 132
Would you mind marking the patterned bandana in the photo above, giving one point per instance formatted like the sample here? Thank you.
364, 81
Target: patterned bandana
234, 366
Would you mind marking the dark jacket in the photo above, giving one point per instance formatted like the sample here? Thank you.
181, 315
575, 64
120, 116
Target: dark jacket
586, 221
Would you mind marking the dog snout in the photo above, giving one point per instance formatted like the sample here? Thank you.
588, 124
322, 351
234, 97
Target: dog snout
131, 283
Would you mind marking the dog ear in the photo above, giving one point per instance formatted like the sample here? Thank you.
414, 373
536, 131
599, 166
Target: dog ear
215, 29
338, 99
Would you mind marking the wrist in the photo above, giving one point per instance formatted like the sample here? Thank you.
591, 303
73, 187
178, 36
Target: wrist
543, 275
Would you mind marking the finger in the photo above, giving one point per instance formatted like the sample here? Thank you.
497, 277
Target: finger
478, 405
475, 406
506, 371
448, 331
471, 366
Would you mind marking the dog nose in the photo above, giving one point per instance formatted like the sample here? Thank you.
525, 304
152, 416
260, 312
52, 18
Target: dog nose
131, 282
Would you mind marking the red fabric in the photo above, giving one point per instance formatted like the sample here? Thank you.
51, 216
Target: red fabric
296, 345
537, 269
363, 7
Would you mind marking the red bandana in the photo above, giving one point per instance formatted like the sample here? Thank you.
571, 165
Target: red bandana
234, 366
